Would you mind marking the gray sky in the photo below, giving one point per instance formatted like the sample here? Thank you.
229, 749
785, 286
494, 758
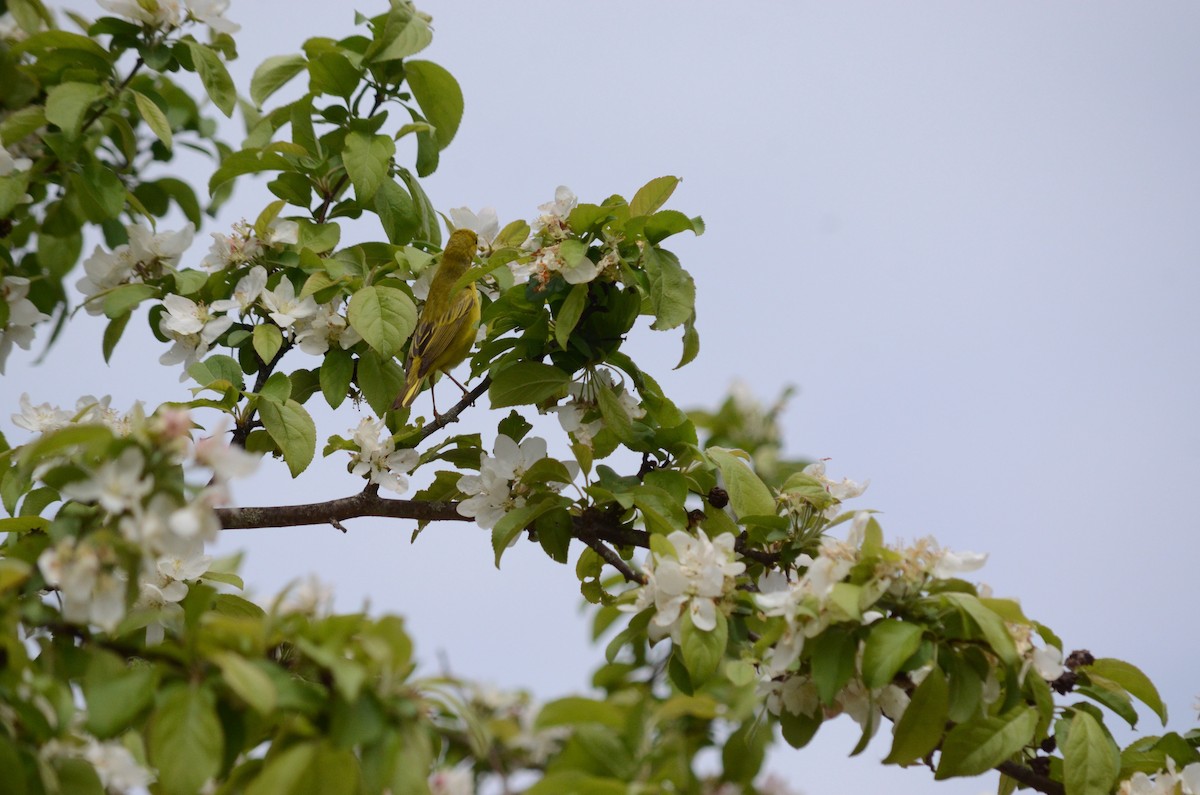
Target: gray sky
966, 232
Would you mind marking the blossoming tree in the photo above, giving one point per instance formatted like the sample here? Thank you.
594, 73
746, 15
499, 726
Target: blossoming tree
742, 594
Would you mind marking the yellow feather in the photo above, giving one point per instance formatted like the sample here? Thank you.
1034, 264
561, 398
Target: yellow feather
448, 322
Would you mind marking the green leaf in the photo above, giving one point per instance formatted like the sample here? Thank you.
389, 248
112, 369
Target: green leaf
978, 745
332, 73
67, 103
1133, 680
247, 680
112, 335
554, 534
439, 96
282, 773
990, 623
889, 644
920, 728
652, 195
384, 316
672, 290
368, 160
568, 316
155, 119
277, 389
291, 427
831, 655
116, 693
268, 339
397, 213
616, 419
380, 380
1091, 760
516, 520
185, 740
214, 76
691, 342
703, 649
336, 372
526, 383
405, 34
99, 191
748, 495
798, 730
26, 121
578, 710
272, 74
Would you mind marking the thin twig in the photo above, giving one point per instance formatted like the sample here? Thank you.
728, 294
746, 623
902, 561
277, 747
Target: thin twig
611, 558
444, 419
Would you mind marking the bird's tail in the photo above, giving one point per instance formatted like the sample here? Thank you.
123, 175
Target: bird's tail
412, 386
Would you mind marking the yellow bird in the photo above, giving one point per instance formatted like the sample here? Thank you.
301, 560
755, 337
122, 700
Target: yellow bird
448, 323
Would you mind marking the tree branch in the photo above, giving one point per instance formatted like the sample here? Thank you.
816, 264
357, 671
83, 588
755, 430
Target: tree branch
1024, 775
365, 503
444, 419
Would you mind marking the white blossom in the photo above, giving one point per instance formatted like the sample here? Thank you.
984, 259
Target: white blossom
378, 459
845, 490
159, 14
795, 694
10, 164
227, 461
451, 781
494, 491
193, 328
695, 579
316, 334
41, 418
103, 271
91, 592
196, 520
22, 317
284, 308
1048, 662
245, 293
163, 249
485, 224
232, 250
211, 12
951, 564
308, 595
584, 401
115, 765
553, 218
117, 485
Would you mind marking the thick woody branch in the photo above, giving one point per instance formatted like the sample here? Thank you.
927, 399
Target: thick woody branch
365, 503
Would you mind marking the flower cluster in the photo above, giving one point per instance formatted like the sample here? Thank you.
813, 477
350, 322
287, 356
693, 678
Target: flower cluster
1164, 782
146, 256
812, 489
136, 493
580, 415
377, 458
115, 766
804, 603
516, 712
243, 246
692, 581
22, 316
167, 14
498, 489
89, 410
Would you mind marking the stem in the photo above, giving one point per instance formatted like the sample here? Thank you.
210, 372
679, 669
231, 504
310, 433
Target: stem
444, 419
247, 423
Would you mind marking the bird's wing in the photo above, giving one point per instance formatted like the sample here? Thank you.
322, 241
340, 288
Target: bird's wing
436, 335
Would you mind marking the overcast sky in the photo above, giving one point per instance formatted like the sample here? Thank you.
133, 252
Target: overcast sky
969, 234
